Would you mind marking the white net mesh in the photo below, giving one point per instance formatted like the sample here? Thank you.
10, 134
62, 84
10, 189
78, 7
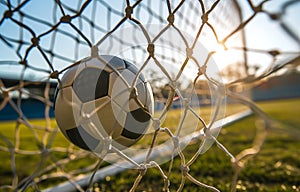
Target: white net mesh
193, 53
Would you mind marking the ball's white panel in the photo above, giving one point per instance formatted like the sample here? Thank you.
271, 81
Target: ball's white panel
69, 76
128, 76
141, 99
107, 121
99, 148
120, 116
131, 67
119, 90
113, 62
142, 92
97, 63
66, 109
91, 111
149, 97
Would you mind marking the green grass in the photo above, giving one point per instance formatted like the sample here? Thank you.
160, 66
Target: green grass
275, 168
33, 141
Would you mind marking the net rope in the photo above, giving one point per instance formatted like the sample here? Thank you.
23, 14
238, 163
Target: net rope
37, 44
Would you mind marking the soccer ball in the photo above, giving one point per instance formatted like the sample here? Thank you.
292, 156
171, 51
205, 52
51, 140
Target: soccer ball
102, 99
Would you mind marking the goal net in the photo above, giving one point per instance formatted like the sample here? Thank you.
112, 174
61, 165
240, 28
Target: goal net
197, 56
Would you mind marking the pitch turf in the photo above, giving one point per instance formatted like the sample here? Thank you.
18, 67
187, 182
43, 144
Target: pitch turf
275, 168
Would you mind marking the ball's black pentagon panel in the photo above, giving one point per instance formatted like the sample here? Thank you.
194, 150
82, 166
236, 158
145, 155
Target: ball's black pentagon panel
81, 138
91, 83
102, 85
131, 135
140, 115
136, 124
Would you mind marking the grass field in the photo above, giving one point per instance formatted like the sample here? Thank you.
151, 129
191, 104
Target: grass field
275, 168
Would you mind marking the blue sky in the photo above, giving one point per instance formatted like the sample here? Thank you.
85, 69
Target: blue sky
267, 34
261, 33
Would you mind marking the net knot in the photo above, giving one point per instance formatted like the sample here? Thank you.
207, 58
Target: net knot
274, 53
189, 52
54, 74
258, 8
150, 49
85, 118
186, 102
156, 124
274, 16
185, 169
207, 133
107, 144
133, 93
128, 12
204, 18
175, 141
173, 84
94, 51
221, 89
171, 19
202, 70
143, 169
23, 62
199, 72
8, 14
66, 19
35, 41
5, 93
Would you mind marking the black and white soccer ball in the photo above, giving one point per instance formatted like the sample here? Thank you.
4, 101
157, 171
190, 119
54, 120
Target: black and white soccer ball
103, 99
